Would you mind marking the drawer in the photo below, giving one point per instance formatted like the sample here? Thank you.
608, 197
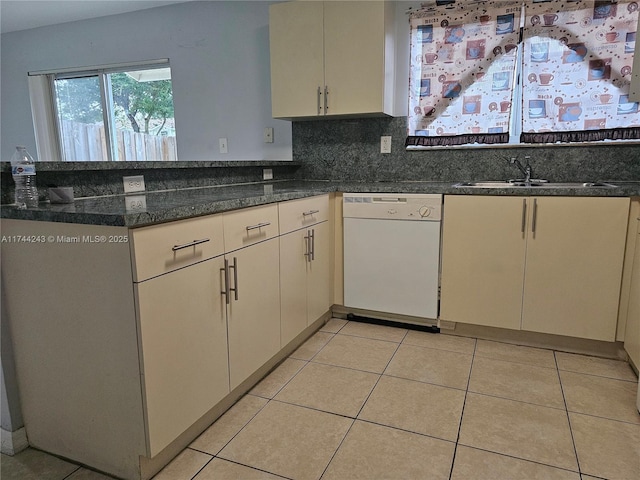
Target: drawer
159, 249
249, 225
296, 214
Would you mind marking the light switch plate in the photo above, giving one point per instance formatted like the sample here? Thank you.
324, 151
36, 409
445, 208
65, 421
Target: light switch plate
224, 148
268, 135
133, 184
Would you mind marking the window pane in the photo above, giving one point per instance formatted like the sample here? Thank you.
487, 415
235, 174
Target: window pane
80, 119
144, 124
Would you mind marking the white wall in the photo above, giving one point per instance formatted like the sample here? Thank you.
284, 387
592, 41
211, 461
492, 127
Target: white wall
219, 56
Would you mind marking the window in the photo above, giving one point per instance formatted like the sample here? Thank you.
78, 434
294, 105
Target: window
122, 113
533, 71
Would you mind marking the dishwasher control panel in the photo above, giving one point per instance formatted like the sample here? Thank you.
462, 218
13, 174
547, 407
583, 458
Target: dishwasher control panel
402, 206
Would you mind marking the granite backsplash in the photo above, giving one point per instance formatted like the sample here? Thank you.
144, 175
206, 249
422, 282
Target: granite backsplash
349, 150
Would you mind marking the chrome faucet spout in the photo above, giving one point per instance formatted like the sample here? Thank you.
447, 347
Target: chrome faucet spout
526, 170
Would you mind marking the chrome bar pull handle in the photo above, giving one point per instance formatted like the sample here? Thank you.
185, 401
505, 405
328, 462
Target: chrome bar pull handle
524, 216
307, 243
319, 95
235, 278
225, 292
190, 244
326, 99
313, 244
259, 225
310, 212
535, 216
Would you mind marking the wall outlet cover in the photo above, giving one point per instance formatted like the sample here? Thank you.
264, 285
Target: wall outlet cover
133, 184
267, 174
385, 144
135, 203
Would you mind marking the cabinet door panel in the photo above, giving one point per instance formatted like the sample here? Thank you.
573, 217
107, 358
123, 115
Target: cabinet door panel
254, 319
319, 272
574, 266
483, 251
297, 65
293, 284
354, 45
183, 336
632, 333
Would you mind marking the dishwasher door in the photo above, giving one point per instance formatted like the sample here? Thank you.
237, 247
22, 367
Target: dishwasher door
392, 266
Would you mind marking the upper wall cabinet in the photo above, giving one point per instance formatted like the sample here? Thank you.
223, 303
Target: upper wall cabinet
331, 58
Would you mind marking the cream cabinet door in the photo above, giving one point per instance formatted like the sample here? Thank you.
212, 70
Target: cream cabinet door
483, 251
632, 333
575, 253
254, 318
354, 44
183, 338
319, 273
294, 248
297, 58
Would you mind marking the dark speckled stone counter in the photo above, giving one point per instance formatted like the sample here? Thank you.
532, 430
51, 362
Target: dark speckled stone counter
178, 204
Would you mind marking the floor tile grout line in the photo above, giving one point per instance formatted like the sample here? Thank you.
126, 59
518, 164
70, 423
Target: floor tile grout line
528, 364
464, 404
70, 474
604, 418
515, 400
285, 383
249, 466
426, 435
203, 467
635, 382
564, 398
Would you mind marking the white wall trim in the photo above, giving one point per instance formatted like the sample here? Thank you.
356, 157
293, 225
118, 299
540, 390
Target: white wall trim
13, 442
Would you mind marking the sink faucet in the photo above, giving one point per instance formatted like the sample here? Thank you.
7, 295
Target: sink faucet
526, 170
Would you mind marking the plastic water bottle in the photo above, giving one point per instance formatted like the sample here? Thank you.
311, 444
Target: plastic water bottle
23, 169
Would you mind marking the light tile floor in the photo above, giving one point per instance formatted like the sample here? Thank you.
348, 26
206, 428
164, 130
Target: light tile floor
360, 401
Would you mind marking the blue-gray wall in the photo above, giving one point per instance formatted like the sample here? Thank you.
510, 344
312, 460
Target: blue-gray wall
219, 56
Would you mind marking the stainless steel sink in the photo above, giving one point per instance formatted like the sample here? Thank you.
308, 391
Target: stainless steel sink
533, 184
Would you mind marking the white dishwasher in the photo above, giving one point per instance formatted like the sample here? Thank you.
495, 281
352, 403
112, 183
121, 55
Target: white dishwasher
392, 252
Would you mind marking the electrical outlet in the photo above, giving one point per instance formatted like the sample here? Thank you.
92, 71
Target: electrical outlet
385, 144
135, 203
268, 135
223, 145
133, 184
267, 174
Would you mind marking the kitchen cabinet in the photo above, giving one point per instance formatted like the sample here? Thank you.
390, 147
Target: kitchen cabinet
252, 289
632, 332
305, 266
331, 58
546, 264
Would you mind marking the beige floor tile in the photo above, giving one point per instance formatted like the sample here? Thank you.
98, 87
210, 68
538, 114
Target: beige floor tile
85, 474
219, 469
599, 396
184, 466
33, 464
333, 325
606, 448
441, 367
603, 367
522, 430
474, 464
441, 341
515, 353
332, 389
377, 332
278, 378
311, 347
516, 381
378, 452
415, 406
589, 477
288, 440
228, 425
357, 352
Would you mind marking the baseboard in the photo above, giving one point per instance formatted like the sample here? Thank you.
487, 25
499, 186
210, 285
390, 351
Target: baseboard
13, 442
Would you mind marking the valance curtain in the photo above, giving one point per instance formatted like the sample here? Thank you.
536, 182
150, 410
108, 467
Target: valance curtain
463, 61
577, 70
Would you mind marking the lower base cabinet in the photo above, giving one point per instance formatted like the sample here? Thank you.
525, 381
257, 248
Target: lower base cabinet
542, 264
183, 331
254, 318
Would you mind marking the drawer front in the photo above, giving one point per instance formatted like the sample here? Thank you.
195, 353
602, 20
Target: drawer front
296, 214
249, 225
159, 249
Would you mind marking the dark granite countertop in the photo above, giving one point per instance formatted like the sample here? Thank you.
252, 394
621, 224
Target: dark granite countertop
164, 206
